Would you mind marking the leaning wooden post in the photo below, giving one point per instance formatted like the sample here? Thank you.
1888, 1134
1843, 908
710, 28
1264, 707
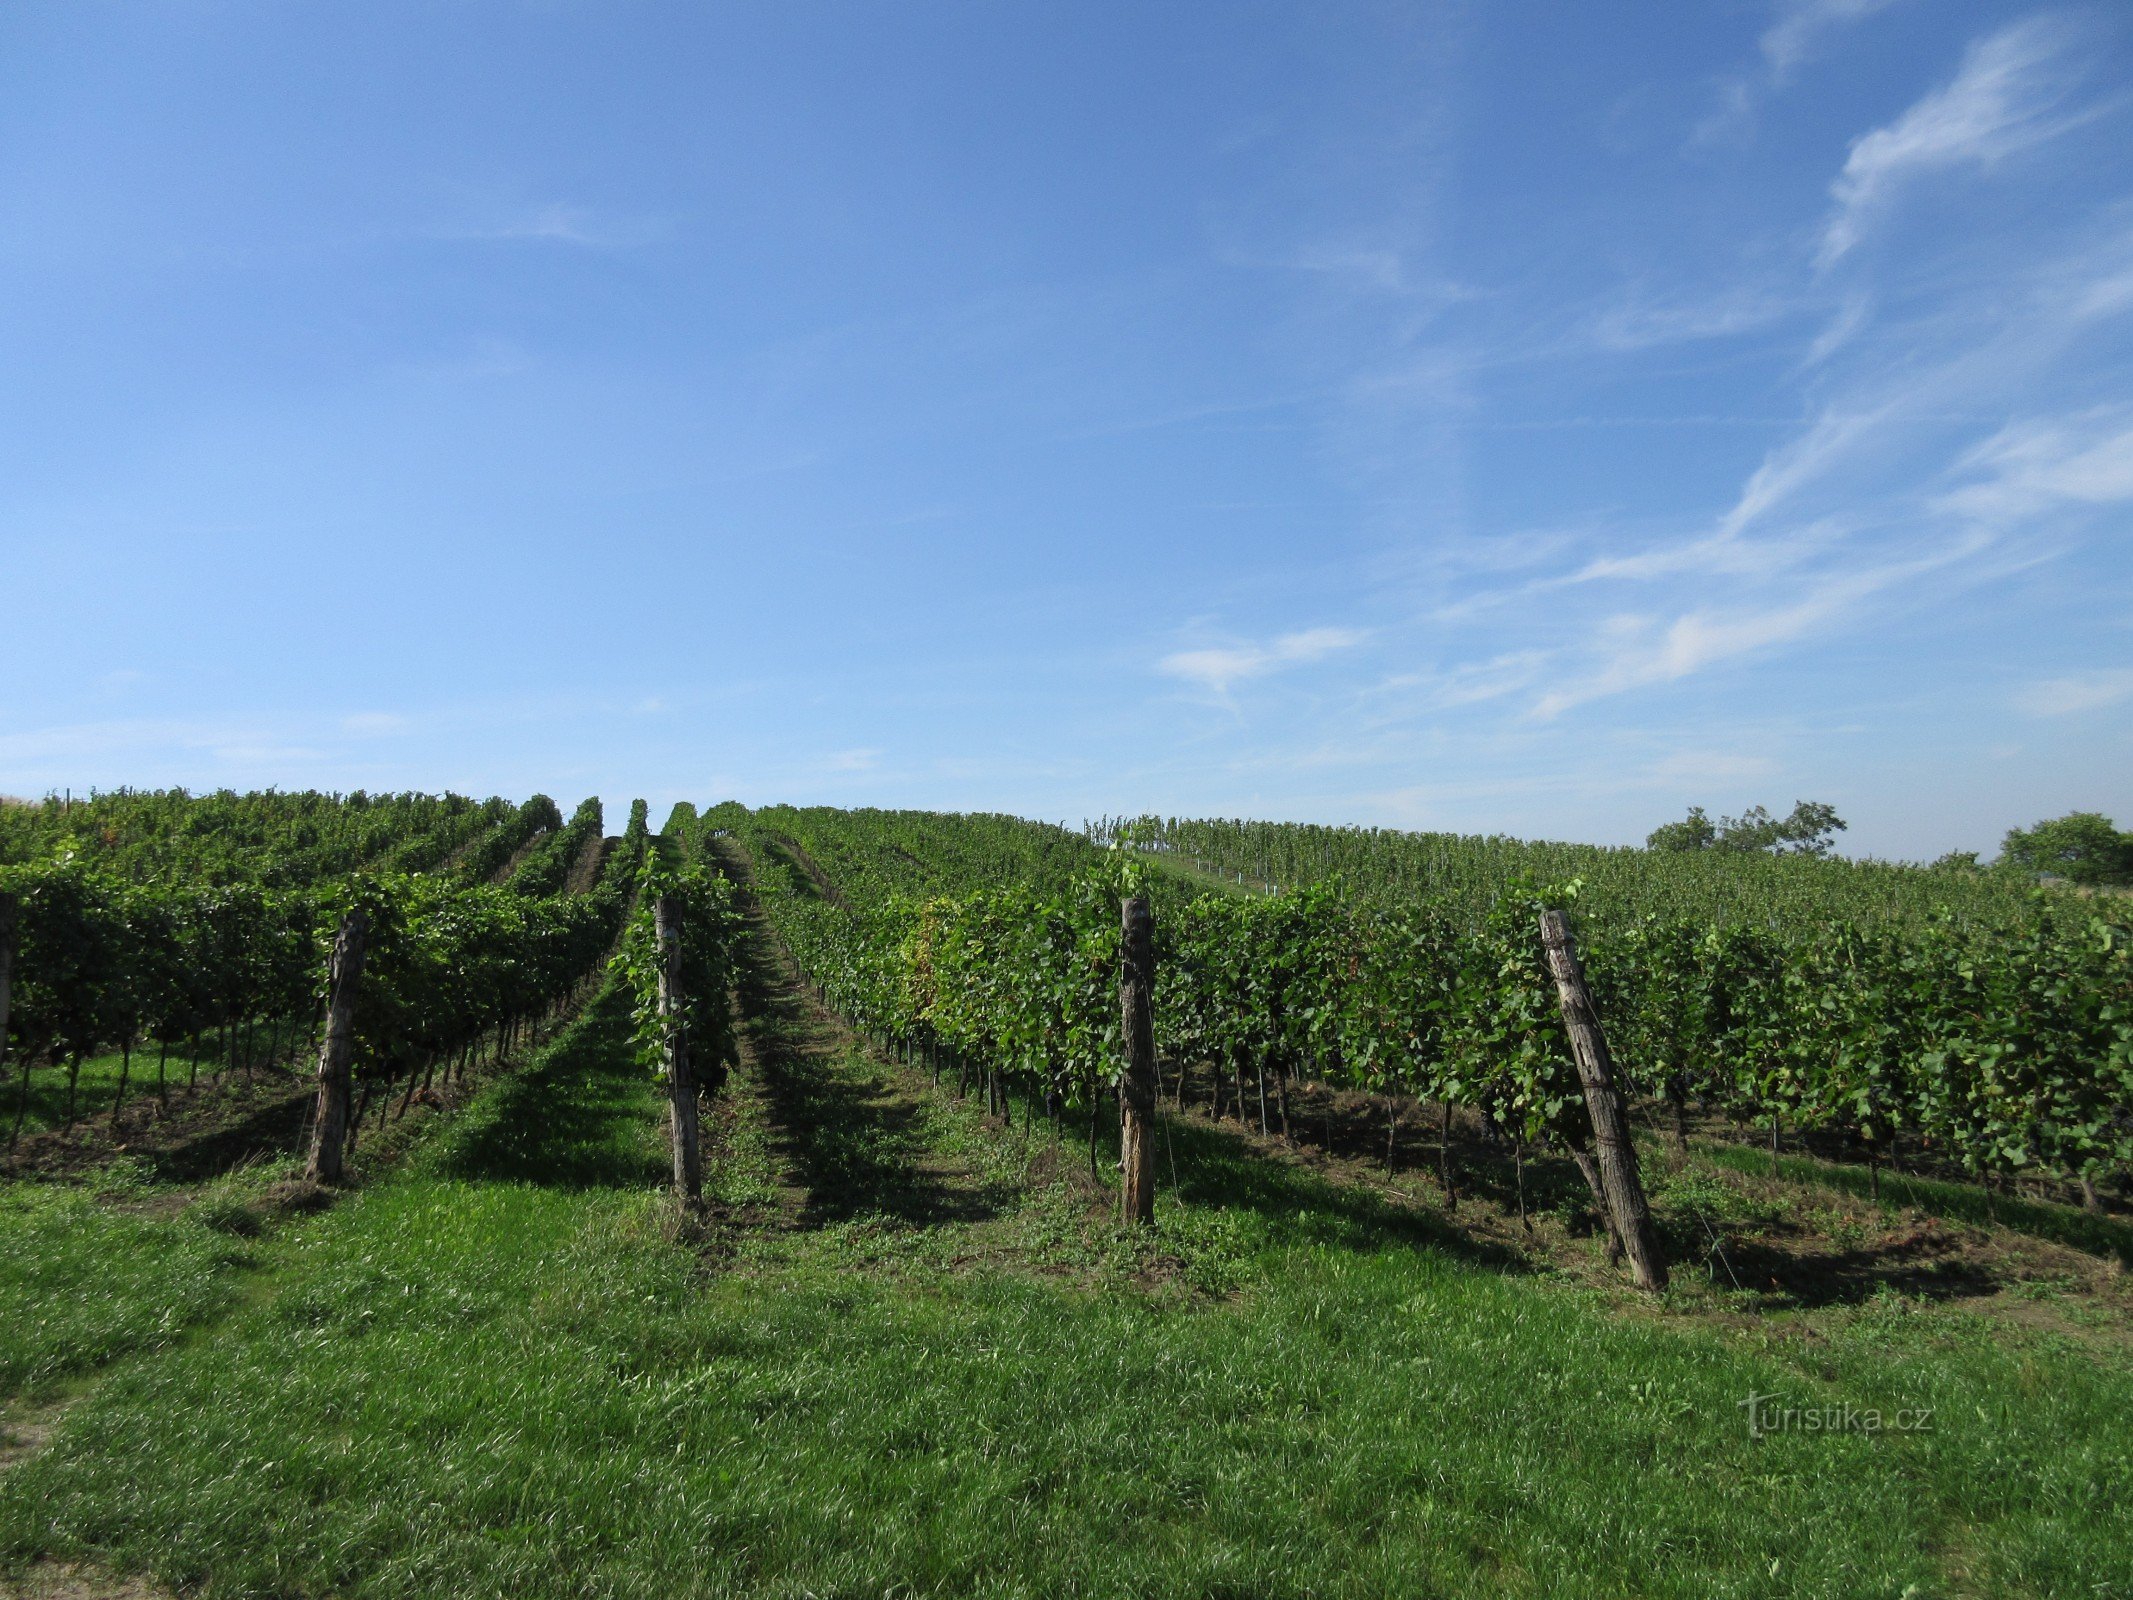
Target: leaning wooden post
1137, 1084
1624, 1191
681, 1081
336, 1053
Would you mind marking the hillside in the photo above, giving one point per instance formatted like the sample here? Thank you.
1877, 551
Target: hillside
1373, 1342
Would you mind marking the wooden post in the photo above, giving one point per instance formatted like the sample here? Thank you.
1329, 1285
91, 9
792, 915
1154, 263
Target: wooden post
336, 1055
1136, 1085
681, 1082
1630, 1213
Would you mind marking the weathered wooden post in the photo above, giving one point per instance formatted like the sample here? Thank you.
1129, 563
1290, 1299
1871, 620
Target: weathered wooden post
336, 1054
1623, 1191
1137, 1084
681, 1081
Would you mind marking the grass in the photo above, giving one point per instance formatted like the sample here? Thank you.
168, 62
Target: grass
582, 1115
1203, 879
1964, 1202
86, 1277
96, 1084
908, 1358
95, 1088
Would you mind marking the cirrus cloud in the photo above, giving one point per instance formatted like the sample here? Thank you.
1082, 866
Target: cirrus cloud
1219, 668
1998, 103
2077, 692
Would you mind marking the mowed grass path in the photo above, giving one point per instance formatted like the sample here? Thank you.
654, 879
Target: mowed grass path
909, 1362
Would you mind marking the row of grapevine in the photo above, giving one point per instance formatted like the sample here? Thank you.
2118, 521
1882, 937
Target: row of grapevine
105, 962
267, 838
1622, 884
676, 962
487, 857
545, 869
2005, 1049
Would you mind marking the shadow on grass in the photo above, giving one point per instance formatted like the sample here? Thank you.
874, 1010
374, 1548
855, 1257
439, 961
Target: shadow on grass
858, 1147
1352, 1127
1218, 1168
194, 1135
276, 1129
2079, 1230
577, 1118
1813, 1275
1779, 1256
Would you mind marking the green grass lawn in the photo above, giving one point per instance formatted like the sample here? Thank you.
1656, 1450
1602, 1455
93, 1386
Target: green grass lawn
904, 1358
87, 1277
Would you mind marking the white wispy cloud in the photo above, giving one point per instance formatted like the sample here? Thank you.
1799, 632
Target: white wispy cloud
373, 723
1221, 667
1698, 767
1901, 428
2091, 283
1451, 687
557, 222
1641, 324
1835, 434
1999, 102
1724, 552
2028, 468
2106, 296
1799, 31
1831, 437
1839, 330
2078, 692
1487, 680
1634, 652
1366, 266
1802, 25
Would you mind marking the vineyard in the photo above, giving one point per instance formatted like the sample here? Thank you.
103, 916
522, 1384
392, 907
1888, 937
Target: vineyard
412, 1194
1986, 1029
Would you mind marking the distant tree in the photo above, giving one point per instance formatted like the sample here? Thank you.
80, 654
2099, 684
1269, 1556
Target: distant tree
1956, 861
1810, 830
2082, 846
1695, 832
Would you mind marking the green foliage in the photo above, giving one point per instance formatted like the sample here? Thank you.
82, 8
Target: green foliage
702, 925
1809, 830
1466, 875
492, 852
1694, 832
1992, 1024
2083, 847
2006, 1045
619, 876
270, 839
447, 965
545, 868
108, 957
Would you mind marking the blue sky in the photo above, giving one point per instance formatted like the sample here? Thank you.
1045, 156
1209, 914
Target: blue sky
1517, 418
